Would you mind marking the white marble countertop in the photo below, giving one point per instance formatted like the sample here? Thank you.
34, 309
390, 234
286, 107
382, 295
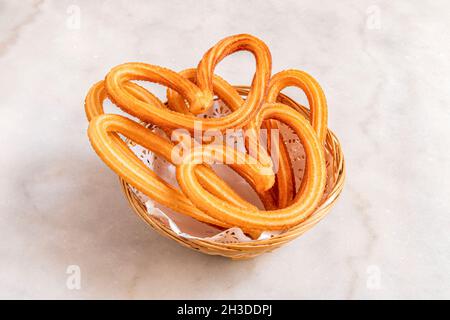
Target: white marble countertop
385, 69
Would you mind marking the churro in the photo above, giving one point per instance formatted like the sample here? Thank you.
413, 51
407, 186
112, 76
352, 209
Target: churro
203, 195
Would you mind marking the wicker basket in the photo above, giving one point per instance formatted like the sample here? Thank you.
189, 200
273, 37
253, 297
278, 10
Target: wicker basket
245, 250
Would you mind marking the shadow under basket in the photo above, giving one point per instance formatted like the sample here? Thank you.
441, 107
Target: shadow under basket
245, 250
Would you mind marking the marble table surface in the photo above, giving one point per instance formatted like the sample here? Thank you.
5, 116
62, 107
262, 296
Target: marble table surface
385, 69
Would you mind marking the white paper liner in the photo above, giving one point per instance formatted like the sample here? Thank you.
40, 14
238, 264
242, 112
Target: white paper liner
188, 227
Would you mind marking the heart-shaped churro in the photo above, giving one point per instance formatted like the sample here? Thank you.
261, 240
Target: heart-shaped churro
203, 195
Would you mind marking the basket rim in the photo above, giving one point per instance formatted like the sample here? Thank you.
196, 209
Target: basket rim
262, 245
